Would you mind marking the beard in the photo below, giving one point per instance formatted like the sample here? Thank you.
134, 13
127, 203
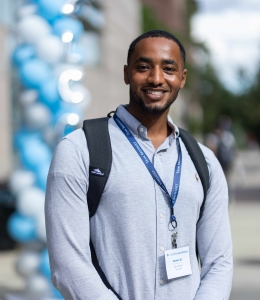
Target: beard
152, 110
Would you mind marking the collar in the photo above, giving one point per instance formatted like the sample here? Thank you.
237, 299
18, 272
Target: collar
140, 130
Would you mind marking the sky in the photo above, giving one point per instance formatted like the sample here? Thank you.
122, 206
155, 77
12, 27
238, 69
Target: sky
231, 31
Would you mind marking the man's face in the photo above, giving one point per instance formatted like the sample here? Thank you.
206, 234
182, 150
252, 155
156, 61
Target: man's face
155, 74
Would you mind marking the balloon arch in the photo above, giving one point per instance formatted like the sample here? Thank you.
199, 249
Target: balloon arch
49, 61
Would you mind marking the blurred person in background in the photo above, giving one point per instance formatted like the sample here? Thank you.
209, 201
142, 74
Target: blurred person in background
222, 142
134, 229
226, 144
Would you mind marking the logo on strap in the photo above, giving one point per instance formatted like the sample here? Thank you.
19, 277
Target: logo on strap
97, 172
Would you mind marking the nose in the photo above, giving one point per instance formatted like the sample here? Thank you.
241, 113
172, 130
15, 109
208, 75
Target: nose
156, 76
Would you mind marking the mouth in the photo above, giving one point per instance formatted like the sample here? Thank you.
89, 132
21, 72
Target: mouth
154, 94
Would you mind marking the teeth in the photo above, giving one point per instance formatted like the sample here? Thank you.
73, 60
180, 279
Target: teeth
154, 92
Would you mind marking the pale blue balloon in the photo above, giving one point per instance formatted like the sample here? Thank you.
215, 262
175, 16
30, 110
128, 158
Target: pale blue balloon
62, 25
56, 293
23, 53
49, 94
78, 54
41, 175
24, 137
45, 264
50, 9
21, 228
34, 73
34, 154
66, 108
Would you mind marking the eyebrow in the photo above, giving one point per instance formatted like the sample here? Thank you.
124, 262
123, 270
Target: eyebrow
143, 59
170, 62
149, 60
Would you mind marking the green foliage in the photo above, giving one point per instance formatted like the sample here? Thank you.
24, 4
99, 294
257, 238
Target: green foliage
215, 99
249, 109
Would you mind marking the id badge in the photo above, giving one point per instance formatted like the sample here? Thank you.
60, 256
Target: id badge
177, 262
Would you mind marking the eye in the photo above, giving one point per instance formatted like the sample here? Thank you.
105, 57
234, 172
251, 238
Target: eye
169, 69
142, 67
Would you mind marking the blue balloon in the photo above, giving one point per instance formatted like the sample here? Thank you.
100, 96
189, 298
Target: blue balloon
49, 94
23, 137
35, 154
41, 176
23, 53
45, 264
50, 9
78, 54
21, 228
66, 108
56, 293
34, 73
62, 25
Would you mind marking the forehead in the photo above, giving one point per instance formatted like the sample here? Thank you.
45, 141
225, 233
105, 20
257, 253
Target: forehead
157, 48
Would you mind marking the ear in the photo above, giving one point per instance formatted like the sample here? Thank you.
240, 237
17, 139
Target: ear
183, 79
126, 74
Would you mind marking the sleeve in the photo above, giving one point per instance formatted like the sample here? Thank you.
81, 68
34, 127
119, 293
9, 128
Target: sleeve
214, 238
67, 227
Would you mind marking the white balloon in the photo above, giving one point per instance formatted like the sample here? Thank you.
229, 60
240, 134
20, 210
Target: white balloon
30, 202
50, 49
28, 97
33, 28
20, 180
37, 116
79, 90
40, 228
28, 263
37, 287
26, 10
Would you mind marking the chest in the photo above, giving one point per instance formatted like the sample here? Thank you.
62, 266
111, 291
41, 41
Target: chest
131, 187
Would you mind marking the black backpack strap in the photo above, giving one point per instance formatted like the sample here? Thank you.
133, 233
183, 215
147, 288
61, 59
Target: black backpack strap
100, 159
99, 270
199, 162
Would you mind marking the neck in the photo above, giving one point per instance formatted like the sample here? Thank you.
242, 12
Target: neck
156, 124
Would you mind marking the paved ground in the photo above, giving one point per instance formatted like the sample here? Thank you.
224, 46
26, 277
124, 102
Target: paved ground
245, 225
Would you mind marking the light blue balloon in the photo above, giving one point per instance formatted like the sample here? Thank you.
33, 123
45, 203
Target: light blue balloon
45, 264
66, 108
56, 293
34, 72
49, 94
34, 154
23, 137
41, 176
62, 25
50, 9
21, 228
78, 55
23, 53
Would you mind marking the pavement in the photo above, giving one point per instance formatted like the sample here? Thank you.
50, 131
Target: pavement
244, 210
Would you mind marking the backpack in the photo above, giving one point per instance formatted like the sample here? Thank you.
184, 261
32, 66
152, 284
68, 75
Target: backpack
100, 157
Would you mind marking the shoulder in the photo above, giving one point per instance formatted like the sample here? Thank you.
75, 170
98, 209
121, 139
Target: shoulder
71, 156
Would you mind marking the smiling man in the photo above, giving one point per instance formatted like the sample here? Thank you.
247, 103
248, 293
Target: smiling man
150, 218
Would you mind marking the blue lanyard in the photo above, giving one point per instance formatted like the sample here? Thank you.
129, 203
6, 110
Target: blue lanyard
150, 167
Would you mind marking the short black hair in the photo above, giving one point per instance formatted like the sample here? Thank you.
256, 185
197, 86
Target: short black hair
156, 33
